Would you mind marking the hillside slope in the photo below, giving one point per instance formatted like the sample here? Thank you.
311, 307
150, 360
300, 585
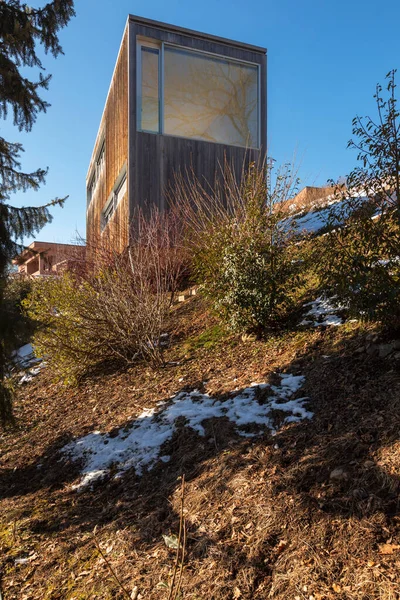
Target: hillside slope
306, 510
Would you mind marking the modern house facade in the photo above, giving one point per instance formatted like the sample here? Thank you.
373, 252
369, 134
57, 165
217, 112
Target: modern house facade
179, 101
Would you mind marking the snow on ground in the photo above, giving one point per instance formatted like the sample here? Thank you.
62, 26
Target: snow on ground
322, 311
138, 445
335, 210
24, 358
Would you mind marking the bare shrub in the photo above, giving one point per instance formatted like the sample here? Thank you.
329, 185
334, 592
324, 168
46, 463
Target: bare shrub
117, 308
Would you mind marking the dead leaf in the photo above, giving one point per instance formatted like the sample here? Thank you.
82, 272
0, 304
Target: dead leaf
336, 588
135, 593
162, 585
281, 546
237, 593
171, 541
388, 548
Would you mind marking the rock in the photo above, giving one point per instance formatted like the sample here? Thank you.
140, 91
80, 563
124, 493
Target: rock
385, 350
396, 356
338, 474
368, 464
372, 337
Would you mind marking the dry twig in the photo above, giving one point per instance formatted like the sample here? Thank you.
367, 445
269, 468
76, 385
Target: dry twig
180, 551
113, 573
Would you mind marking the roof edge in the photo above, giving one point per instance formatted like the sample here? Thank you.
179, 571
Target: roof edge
194, 33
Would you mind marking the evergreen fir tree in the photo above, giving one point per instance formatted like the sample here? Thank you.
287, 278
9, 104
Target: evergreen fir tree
22, 31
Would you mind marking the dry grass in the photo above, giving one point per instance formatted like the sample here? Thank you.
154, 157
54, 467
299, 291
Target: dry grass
263, 517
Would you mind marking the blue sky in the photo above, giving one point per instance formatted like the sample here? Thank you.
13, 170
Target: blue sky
324, 59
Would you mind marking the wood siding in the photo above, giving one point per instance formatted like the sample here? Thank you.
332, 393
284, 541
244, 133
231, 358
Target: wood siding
154, 159
114, 125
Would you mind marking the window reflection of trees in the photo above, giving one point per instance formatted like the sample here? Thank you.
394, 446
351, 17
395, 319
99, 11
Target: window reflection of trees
210, 98
204, 97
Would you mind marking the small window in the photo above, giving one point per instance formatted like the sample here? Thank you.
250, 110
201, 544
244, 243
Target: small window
118, 192
101, 159
96, 171
90, 189
108, 211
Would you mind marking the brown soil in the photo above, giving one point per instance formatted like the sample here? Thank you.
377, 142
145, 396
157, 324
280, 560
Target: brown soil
264, 518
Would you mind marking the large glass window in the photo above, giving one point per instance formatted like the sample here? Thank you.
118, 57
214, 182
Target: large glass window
210, 98
150, 97
202, 96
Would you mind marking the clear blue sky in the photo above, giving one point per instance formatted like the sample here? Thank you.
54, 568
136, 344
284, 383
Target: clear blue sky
324, 59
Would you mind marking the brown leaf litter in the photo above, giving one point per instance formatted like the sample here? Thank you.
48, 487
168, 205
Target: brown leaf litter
264, 518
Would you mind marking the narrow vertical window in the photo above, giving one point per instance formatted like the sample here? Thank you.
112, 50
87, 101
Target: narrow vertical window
150, 96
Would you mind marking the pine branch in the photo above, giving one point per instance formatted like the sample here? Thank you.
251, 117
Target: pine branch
22, 30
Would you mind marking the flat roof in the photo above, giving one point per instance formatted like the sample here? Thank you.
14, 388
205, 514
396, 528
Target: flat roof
197, 34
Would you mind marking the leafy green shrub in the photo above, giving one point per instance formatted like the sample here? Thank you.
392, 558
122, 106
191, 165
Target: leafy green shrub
60, 308
359, 259
243, 249
18, 328
359, 263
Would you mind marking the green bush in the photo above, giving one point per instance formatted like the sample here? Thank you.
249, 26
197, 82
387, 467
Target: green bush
60, 308
243, 247
251, 286
18, 328
358, 260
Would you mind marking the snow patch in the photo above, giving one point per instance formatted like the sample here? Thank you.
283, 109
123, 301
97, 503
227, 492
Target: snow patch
24, 358
322, 311
335, 211
138, 445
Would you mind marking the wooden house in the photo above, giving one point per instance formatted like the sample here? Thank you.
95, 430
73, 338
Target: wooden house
179, 100
40, 259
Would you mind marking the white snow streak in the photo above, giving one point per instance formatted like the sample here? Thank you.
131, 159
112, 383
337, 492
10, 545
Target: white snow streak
138, 445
